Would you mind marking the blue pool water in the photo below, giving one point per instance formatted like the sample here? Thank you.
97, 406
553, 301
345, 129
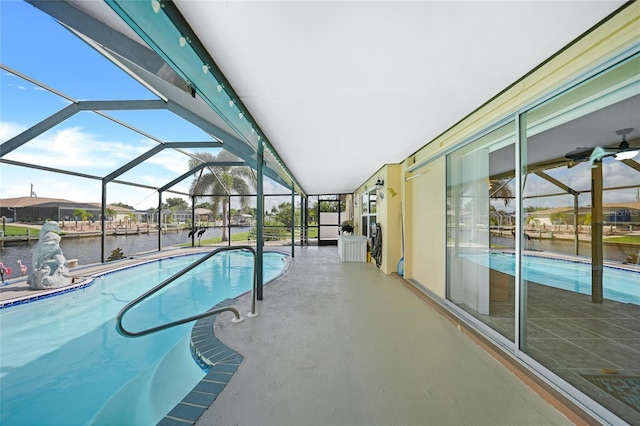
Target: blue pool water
62, 361
618, 284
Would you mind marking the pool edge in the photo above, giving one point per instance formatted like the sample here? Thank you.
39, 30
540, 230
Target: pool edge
218, 359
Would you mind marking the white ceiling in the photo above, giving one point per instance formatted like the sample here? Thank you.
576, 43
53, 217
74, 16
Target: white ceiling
341, 88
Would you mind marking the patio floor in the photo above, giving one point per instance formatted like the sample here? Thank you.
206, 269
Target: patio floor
344, 344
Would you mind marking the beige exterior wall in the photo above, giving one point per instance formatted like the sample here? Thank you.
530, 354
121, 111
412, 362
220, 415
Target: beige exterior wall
392, 232
426, 207
387, 215
425, 196
423, 199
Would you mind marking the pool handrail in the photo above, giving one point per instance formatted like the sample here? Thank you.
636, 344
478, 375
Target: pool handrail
126, 333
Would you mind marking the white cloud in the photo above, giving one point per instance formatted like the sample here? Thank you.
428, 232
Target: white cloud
14, 189
171, 160
136, 197
619, 196
9, 130
153, 180
17, 181
270, 188
74, 149
617, 173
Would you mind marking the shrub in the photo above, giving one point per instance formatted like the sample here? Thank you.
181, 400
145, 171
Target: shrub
116, 254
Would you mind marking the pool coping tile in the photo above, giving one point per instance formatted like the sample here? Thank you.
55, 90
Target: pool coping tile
219, 362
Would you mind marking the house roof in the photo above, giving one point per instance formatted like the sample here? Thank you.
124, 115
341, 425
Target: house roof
634, 205
118, 209
21, 202
30, 201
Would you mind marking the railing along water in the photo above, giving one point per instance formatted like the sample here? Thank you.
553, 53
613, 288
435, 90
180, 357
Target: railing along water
124, 332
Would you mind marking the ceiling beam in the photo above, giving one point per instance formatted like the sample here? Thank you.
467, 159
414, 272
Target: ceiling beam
231, 143
38, 129
633, 164
81, 175
79, 22
556, 182
200, 167
153, 151
69, 111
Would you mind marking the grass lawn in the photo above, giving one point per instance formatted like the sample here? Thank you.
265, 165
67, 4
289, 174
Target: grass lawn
627, 239
241, 236
19, 231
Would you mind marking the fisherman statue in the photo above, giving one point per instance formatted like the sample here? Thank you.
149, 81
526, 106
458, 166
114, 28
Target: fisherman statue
48, 262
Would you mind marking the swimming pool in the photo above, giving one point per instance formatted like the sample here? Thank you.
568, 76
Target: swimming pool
621, 285
62, 361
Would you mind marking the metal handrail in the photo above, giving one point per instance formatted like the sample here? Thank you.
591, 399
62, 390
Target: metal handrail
124, 332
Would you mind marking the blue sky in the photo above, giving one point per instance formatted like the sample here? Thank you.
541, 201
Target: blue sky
33, 44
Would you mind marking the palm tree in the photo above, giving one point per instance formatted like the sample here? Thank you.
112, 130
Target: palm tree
222, 181
128, 218
558, 217
110, 214
82, 214
500, 189
533, 221
586, 221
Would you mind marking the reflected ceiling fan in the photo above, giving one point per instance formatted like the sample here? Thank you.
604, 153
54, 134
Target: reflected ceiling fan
621, 152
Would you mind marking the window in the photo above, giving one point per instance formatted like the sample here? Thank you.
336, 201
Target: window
368, 221
573, 282
580, 296
480, 218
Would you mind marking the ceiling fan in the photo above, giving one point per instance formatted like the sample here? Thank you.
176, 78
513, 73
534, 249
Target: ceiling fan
622, 152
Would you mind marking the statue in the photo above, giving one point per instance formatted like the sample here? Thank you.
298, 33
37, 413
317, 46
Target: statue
47, 262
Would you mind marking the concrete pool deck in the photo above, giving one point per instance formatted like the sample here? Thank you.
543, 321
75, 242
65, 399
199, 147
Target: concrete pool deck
344, 344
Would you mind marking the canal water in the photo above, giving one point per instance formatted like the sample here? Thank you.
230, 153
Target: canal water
614, 252
88, 249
